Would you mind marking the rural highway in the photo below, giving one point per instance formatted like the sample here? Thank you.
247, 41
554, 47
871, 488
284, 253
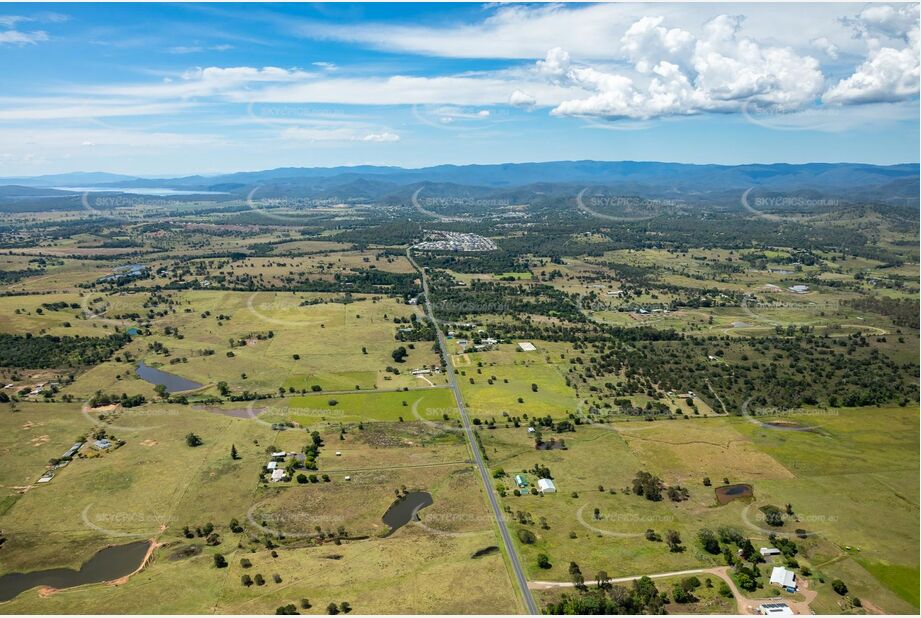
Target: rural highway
475, 447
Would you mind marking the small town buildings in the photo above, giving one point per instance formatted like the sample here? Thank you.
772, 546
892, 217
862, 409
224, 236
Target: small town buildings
799, 289
102, 444
546, 486
526, 346
775, 609
272, 465
784, 578
769, 551
521, 481
279, 455
278, 475
531, 430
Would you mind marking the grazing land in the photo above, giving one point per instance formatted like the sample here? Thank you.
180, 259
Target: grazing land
252, 386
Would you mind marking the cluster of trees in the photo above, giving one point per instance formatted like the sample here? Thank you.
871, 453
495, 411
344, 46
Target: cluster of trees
641, 598
902, 311
49, 352
739, 552
485, 297
769, 372
683, 591
291, 610
371, 281
734, 546
648, 485
208, 533
124, 400
491, 262
343, 608
8, 277
312, 450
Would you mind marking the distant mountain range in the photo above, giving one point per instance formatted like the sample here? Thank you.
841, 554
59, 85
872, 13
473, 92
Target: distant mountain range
368, 182
72, 179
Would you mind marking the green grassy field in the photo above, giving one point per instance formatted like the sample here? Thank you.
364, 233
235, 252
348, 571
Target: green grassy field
412, 573
208, 321
837, 478
511, 382
154, 485
430, 404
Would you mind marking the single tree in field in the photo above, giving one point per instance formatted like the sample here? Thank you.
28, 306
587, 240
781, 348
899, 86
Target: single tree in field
193, 440
673, 539
332, 609
603, 580
233, 452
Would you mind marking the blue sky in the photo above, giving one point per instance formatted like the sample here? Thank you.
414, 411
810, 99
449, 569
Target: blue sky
208, 88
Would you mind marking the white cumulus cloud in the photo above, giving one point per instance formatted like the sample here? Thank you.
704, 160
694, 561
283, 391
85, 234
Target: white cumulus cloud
520, 98
888, 75
677, 73
892, 69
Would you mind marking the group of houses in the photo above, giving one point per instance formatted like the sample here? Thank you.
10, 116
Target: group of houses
544, 486
278, 474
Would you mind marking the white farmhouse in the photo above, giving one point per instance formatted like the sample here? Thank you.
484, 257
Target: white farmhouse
784, 578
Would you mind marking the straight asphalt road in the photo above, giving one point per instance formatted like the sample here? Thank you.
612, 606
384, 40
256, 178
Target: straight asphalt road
475, 447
